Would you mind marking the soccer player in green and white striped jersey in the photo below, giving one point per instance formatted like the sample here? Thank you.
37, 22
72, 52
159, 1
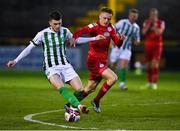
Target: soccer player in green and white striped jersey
57, 68
131, 30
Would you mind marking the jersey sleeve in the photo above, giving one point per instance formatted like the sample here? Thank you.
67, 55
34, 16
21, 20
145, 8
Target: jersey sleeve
37, 40
69, 34
85, 30
115, 37
137, 34
25, 52
80, 40
118, 26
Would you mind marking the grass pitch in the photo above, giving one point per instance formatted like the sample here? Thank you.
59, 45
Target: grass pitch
23, 93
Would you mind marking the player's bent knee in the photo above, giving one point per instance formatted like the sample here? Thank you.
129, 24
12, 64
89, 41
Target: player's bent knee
115, 79
112, 80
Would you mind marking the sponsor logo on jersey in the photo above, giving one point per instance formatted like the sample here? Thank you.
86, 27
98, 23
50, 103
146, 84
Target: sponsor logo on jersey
92, 25
106, 34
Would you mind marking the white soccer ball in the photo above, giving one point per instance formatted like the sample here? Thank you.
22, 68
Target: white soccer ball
73, 115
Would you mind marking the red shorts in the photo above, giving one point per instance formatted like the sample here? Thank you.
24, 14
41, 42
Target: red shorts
96, 67
153, 51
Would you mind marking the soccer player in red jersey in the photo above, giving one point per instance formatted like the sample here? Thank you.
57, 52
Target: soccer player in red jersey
153, 28
100, 32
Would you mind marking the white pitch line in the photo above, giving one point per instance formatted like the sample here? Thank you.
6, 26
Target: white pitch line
148, 104
30, 116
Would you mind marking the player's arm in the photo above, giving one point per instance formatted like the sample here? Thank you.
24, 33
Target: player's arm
89, 39
117, 37
70, 40
35, 42
146, 26
119, 26
87, 30
136, 39
23, 54
160, 30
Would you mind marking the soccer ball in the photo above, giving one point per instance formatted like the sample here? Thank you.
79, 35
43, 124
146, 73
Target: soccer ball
73, 115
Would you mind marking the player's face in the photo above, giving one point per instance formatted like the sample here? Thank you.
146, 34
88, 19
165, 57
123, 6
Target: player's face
55, 24
153, 15
105, 18
133, 17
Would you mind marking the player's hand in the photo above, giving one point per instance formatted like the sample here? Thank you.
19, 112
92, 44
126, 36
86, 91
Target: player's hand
149, 23
100, 37
122, 36
154, 27
72, 42
11, 63
136, 42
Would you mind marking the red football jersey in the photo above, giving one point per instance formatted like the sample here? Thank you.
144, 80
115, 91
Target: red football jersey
99, 49
151, 36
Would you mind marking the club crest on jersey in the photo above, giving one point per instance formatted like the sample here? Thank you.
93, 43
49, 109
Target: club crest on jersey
101, 65
106, 34
109, 29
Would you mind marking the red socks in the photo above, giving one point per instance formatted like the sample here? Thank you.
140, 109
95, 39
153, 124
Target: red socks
155, 75
152, 74
149, 74
105, 87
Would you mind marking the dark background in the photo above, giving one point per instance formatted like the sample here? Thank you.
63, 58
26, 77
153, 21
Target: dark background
20, 20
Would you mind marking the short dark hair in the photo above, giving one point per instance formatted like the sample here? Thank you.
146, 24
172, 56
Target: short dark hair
55, 15
107, 10
133, 10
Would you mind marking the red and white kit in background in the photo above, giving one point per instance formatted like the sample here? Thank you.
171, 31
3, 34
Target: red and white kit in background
153, 42
98, 50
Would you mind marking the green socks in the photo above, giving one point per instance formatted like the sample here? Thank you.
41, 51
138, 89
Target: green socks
69, 96
79, 95
122, 74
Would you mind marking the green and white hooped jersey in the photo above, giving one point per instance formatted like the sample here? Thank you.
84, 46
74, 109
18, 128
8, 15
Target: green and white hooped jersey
54, 46
131, 31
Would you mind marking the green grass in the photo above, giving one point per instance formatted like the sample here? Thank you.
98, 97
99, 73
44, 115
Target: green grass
23, 93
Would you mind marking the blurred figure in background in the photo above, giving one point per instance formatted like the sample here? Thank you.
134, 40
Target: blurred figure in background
153, 28
122, 56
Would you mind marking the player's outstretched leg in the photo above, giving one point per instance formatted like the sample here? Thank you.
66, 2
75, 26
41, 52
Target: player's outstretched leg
72, 100
81, 108
105, 87
96, 106
69, 96
80, 95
